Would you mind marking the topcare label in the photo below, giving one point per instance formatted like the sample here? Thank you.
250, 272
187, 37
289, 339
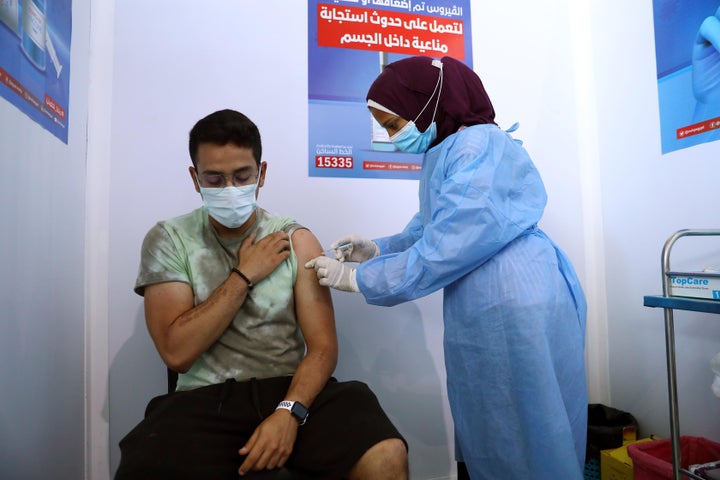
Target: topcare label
695, 286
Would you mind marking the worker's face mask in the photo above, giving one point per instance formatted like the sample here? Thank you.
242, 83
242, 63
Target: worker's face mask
231, 206
409, 139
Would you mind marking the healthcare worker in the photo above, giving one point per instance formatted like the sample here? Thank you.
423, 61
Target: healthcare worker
514, 311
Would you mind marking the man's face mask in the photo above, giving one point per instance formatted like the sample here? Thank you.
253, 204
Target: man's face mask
230, 206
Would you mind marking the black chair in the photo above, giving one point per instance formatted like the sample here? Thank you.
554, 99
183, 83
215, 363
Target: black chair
462, 472
277, 474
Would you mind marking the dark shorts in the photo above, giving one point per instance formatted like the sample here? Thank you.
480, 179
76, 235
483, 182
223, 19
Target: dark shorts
196, 434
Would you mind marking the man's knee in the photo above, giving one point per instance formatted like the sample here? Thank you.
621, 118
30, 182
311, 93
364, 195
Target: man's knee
394, 454
384, 460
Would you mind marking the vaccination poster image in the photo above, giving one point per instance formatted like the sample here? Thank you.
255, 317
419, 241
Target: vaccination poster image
687, 40
35, 60
350, 41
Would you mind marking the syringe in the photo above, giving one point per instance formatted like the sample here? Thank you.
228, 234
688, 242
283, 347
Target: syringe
332, 252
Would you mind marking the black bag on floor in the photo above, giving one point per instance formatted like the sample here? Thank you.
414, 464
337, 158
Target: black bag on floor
606, 428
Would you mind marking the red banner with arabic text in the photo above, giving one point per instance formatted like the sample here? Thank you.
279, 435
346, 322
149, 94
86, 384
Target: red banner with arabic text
385, 31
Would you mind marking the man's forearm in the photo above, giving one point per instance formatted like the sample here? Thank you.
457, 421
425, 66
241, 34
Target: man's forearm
312, 374
193, 332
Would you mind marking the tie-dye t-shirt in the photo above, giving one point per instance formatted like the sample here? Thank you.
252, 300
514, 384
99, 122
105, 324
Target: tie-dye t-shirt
264, 339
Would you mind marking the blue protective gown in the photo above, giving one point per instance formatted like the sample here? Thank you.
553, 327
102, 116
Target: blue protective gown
514, 311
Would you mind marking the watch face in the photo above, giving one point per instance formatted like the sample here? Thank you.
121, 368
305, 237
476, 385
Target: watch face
300, 412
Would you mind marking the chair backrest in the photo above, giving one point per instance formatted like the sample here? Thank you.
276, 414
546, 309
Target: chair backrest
172, 377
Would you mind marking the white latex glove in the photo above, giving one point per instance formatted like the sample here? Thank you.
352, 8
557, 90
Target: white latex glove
331, 273
360, 249
706, 59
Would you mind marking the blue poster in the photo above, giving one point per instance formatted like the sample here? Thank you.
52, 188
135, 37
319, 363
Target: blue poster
687, 54
350, 41
35, 60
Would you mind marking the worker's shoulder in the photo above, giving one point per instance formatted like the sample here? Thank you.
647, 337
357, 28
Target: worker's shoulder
472, 139
484, 138
481, 132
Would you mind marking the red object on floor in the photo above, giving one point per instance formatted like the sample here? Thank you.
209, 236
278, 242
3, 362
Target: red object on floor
653, 460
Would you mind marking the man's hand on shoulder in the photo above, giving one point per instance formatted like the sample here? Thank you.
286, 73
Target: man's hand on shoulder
257, 260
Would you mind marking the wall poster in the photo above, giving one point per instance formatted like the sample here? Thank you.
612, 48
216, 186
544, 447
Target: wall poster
35, 60
687, 53
350, 41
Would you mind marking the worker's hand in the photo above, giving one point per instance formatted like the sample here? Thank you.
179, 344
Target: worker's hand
360, 249
257, 260
271, 443
706, 61
331, 273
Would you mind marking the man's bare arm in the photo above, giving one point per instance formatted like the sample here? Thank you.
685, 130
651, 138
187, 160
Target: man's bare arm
272, 442
316, 317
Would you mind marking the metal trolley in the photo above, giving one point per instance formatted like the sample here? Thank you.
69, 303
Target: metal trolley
668, 304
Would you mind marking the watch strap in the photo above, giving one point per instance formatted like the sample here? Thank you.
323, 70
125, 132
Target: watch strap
297, 409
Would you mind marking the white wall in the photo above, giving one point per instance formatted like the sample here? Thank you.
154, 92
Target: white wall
532, 57
646, 197
42, 229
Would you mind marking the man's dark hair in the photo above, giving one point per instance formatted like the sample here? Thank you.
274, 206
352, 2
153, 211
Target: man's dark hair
223, 127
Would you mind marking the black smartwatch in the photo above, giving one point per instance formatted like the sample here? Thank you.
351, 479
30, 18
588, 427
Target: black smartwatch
297, 409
